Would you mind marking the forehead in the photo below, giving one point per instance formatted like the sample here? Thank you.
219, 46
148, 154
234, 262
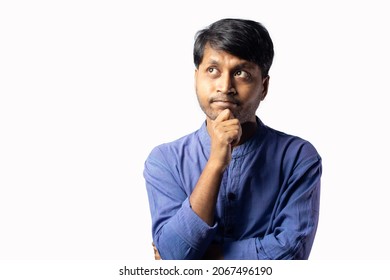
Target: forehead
223, 58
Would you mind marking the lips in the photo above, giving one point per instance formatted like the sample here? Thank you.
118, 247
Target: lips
224, 103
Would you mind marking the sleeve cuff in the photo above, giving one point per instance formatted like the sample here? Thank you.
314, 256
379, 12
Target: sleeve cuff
192, 229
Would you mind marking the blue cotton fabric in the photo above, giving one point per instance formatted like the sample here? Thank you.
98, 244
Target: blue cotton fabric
268, 203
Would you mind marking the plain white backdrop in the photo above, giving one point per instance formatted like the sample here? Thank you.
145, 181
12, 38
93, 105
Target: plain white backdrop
88, 88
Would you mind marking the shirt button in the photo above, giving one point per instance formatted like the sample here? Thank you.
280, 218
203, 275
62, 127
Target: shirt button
231, 196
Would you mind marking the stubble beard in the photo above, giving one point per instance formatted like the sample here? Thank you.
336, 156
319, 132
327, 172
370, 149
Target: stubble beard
243, 115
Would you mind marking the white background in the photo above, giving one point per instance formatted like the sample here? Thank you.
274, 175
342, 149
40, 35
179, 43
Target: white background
88, 88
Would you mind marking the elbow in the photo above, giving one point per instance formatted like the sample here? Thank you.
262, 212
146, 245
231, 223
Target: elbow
175, 248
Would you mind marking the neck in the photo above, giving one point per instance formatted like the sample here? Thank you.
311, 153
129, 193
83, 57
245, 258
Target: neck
248, 130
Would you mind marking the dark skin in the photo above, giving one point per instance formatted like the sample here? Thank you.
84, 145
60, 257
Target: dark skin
229, 91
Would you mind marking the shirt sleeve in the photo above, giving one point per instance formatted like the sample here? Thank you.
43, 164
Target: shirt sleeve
178, 232
295, 220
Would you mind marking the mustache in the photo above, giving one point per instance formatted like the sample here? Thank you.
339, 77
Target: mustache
225, 98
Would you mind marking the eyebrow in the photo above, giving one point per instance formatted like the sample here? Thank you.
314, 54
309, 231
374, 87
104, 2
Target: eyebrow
213, 61
245, 64
248, 65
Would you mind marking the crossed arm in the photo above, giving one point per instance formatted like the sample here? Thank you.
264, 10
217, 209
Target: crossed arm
185, 229
225, 132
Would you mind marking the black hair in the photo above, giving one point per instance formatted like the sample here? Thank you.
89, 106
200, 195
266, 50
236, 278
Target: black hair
245, 39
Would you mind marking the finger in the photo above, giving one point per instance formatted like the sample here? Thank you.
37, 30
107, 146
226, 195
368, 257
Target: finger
231, 116
224, 115
231, 132
230, 123
239, 135
234, 133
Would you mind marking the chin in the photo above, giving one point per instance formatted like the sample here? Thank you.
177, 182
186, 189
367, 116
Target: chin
211, 114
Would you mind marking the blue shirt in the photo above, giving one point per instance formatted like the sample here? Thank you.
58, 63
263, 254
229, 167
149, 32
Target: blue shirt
268, 203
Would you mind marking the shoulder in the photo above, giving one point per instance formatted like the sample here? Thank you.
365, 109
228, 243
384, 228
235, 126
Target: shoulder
175, 148
292, 146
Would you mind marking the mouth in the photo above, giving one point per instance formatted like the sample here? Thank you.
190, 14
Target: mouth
224, 104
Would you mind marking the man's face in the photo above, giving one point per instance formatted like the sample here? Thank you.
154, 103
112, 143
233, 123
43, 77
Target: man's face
224, 81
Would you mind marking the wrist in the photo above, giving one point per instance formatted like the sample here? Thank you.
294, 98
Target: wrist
216, 165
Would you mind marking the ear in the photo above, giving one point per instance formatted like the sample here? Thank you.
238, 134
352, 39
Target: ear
265, 87
195, 76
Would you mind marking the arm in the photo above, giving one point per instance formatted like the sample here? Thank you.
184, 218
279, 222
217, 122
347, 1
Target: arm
178, 233
183, 227
225, 132
294, 221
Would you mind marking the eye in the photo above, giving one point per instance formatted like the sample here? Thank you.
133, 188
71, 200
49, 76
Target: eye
242, 74
212, 71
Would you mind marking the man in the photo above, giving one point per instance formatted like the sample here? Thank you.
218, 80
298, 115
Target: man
235, 188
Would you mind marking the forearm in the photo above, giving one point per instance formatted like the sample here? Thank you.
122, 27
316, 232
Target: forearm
205, 194
288, 245
178, 231
183, 223
293, 231
188, 234
225, 132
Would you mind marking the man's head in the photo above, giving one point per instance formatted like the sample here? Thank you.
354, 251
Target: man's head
232, 59
246, 39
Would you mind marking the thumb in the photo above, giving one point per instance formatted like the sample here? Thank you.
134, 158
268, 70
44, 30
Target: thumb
224, 116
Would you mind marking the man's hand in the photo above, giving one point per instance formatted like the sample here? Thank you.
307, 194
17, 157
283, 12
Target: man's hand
225, 132
157, 256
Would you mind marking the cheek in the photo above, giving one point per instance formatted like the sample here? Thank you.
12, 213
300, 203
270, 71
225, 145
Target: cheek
204, 90
251, 96
200, 94
204, 85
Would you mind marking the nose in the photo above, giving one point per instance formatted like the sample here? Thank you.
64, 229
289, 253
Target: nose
225, 85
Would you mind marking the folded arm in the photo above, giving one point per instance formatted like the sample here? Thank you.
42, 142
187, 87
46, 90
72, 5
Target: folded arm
178, 232
294, 220
184, 223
